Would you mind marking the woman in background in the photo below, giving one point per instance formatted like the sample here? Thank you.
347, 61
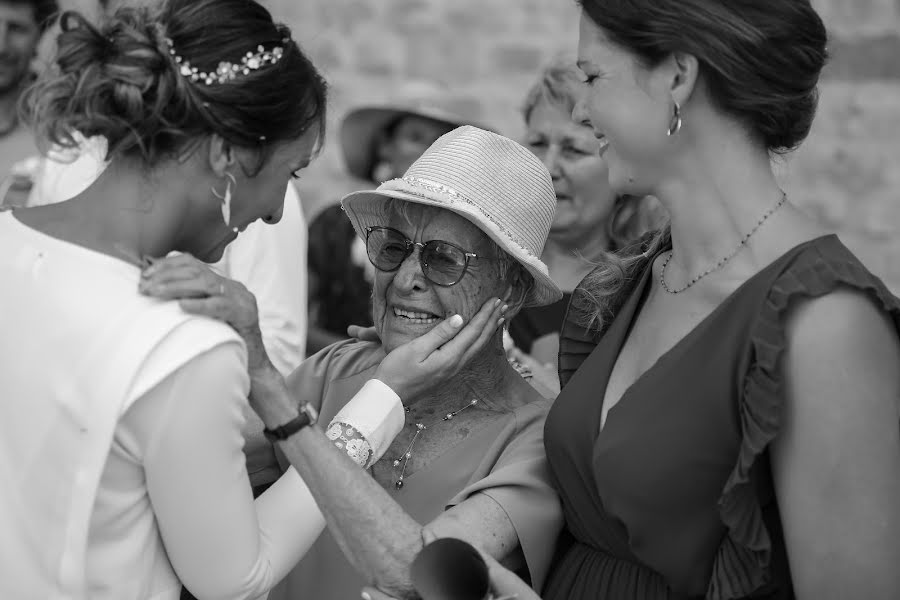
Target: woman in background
591, 220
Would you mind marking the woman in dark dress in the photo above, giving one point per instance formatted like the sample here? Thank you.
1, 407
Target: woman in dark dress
732, 427
729, 423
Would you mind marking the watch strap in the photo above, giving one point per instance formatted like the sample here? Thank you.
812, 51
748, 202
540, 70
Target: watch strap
283, 432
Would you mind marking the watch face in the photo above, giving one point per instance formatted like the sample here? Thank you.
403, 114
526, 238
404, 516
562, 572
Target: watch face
310, 411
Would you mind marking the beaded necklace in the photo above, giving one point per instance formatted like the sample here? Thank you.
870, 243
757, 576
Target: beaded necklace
420, 427
721, 263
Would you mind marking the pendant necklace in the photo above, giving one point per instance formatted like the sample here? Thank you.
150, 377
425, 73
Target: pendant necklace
420, 427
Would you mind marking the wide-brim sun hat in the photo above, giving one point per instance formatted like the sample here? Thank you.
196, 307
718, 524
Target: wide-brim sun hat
491, 181
361, 126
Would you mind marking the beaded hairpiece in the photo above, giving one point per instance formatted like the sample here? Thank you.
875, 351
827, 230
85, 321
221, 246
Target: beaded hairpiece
226, 71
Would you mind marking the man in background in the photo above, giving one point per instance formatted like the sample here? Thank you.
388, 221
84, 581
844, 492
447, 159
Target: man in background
22, 22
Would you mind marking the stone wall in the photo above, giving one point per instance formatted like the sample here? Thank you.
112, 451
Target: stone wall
847, 173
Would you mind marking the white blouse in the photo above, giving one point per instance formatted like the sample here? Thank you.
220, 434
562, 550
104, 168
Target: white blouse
120, 440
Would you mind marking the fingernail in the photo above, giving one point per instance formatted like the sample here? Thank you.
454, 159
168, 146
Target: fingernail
456, 321
503, 310
497, 302
501, 321
366, 596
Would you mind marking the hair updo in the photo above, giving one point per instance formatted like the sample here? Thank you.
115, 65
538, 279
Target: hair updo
120, 81
760, 61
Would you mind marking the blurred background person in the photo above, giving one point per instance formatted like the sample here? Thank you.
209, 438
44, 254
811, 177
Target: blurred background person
590, 220
381, 141
340, 280
378, 142
22, 22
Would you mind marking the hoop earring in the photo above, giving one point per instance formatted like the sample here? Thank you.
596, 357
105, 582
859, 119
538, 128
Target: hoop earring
226, 198
675, 123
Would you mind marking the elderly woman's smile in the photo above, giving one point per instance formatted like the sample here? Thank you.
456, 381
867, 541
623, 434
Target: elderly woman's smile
407, 302
415, 317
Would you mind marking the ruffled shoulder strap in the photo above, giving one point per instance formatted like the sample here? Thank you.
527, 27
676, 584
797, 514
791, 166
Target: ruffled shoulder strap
576, 341
743, 562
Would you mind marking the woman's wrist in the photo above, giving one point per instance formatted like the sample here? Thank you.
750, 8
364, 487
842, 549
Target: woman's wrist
269, 396
257, 357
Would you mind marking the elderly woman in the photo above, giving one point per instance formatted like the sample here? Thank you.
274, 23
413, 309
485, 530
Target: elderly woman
378, 142
466, 223
591, 219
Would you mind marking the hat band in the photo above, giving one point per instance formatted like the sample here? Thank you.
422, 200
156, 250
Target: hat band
434, 187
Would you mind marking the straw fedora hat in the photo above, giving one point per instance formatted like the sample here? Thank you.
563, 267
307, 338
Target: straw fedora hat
362, 126
490, 180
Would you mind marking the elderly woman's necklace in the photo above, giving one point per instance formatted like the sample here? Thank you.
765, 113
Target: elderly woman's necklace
420, 427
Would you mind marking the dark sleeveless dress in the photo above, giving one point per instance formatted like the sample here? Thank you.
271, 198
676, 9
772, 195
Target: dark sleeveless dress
674, 498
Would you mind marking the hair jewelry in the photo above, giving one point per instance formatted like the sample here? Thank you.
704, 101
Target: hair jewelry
226, 71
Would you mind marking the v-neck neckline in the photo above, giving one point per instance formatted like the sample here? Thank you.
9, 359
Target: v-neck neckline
631, 311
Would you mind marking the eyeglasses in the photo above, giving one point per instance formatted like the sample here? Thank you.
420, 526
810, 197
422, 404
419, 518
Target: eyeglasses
442, 263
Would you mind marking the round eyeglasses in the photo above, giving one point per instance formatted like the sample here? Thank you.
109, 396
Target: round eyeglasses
442, 263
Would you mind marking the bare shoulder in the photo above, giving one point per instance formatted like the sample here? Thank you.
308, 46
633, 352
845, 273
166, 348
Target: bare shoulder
839, 320
843, 340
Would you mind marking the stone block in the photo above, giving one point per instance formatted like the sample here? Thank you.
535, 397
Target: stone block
433, 54
516, 57
859, 17
864, 58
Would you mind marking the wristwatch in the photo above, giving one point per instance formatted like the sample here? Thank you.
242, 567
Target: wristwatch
308, 416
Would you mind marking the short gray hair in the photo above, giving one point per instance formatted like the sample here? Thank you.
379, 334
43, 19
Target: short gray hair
559, 84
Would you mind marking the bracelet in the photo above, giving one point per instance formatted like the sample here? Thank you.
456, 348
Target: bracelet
349, 439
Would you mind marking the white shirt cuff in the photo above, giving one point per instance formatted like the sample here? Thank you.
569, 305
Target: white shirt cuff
377, 413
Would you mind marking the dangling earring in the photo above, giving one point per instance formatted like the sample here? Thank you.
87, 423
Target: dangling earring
675, 123
226, 199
